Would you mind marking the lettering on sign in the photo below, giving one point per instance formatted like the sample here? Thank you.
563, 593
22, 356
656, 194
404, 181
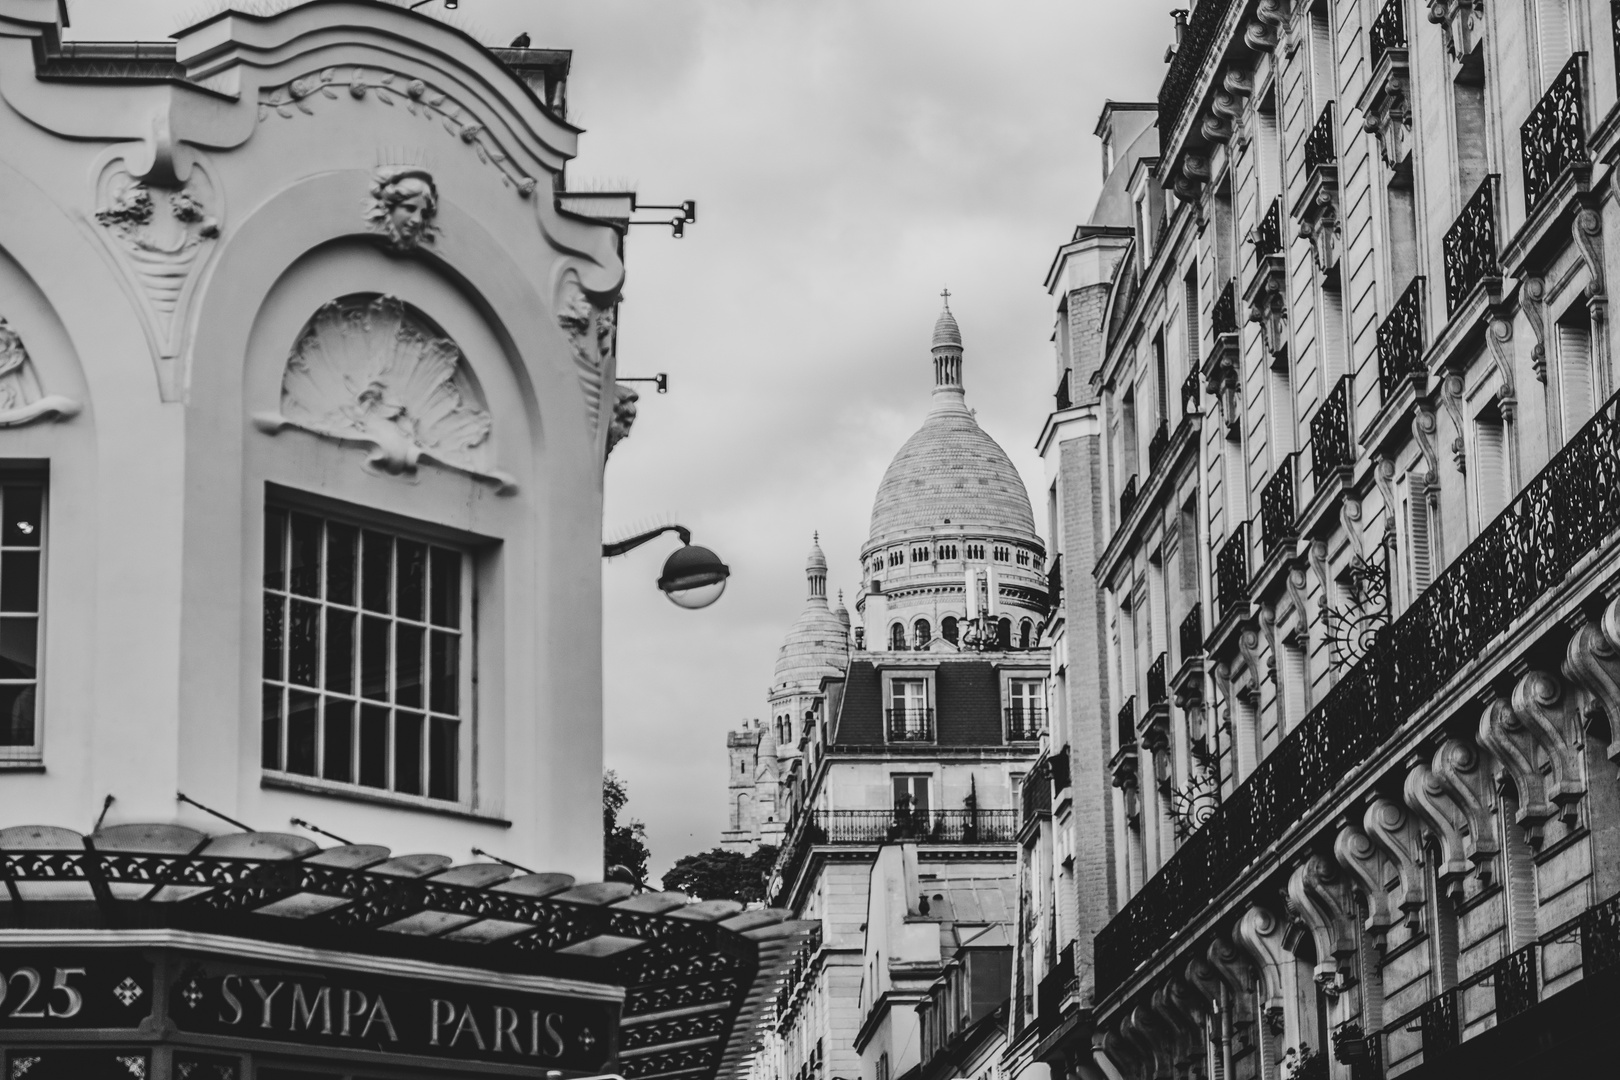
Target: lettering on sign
74, 989
403, 1016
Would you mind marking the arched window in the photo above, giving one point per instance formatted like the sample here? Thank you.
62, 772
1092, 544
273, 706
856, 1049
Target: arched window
1004, 634
922, 634
1026, 634
897, 637
947, 629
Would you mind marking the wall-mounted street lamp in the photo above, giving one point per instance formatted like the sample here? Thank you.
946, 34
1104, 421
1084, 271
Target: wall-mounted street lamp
662, 379
693, 577
449, 5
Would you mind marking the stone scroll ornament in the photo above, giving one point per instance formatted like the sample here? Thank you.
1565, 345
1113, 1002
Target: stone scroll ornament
372, 371
21, 401
591, 326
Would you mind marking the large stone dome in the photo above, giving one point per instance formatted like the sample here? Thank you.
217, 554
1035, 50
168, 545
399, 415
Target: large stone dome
950, 475
818, 642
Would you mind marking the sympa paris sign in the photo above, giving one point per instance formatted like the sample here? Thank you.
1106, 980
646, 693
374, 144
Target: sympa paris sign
311, 1007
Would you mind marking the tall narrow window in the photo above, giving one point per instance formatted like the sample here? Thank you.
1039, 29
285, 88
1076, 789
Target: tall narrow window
1295, 691
363, 656
1419, 562
1189, 308
1235, 483
1553, 38
1026, 701
1161, 380
1490, 474
1468, 99
910, 792
1576, 396
897, 637
22, 542
909, 715
922, 634
948, 630
1321, 55
1268, 155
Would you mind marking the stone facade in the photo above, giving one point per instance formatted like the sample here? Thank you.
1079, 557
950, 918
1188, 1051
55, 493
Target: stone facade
1343, 435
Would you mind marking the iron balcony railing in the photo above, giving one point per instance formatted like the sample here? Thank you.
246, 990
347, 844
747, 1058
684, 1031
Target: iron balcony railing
1268, 231
1049, 995
932, 826
1192, 633
1062, 395
1189, 394
1223, 316
1025, 722
1560, 518
1127, 499
911, 725
1400, 341
1196, 41
1600, 938
1515, 979
1058, 766
1439, 1024
1388, 31
1127, 722
1232, 569
1277, 507
1552, 138
1319, 151
1037, 792
1469, 248
1158, 693
1331, 446
1158, 444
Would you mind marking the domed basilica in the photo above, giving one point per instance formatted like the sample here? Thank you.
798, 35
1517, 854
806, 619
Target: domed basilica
943, 650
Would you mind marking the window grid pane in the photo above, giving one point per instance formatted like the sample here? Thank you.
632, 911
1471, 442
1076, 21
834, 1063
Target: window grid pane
22, 538
362, 656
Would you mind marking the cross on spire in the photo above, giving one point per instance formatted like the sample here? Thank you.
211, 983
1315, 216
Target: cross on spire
946, 293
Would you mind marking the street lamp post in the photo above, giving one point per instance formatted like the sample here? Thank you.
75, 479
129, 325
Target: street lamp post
693, 577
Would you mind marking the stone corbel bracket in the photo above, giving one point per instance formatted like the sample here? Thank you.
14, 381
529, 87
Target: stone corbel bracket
1395, 833
1260, 934
1317, 897
1362, 860
1592, 662
1443, 820
1234, 969
1461, 771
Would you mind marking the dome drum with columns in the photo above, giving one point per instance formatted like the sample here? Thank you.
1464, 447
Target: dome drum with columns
952, 560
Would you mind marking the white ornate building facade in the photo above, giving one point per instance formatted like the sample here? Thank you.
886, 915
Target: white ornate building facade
1335, 444
895, 762
307, 387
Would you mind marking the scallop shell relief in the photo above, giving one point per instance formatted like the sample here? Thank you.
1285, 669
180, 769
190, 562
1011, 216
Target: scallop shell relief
373, 371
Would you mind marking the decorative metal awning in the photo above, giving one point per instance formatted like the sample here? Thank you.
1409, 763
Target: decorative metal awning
696, 976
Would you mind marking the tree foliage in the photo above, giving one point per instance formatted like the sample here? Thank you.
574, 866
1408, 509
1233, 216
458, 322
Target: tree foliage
622, 845
719, 874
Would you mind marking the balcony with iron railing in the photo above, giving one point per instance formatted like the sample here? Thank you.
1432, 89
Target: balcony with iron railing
1062, 394
1126, 722
1189, 394
1232, 570
1127, 499
1388, 31
1277, 513
1552, 139
1058, 766
1196, 40
1053, 987
1268, 232
1158, 692
1223, 314
911, 725
1319, 146
1400, 342
1025, 722
1158, 444
1469, 249
1332, 449
1568, 512
1037, 793
1191, 633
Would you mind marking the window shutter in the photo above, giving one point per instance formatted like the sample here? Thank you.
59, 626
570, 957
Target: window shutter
1420, 553
1552, 37
1321, 59
1189, 304
1296, 680
1575, 377
1490, 468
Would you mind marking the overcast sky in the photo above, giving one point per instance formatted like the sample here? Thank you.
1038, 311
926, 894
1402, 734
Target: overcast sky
849, 159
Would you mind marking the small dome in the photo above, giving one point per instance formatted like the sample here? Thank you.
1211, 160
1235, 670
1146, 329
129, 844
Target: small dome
946, 331
815, 560
815, 646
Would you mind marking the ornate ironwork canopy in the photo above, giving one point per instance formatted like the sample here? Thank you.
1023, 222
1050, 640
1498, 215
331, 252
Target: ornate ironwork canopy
695, 976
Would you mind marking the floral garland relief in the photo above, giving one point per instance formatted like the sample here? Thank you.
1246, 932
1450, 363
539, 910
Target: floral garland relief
394, 90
